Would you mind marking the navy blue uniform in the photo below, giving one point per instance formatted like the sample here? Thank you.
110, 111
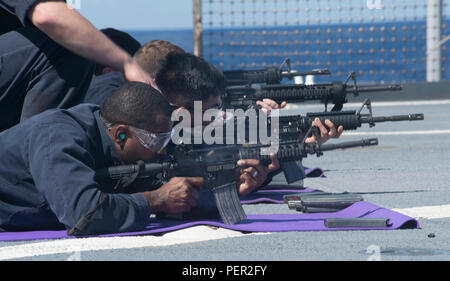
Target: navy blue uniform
35, 72
13, 14
103, 86
47, 169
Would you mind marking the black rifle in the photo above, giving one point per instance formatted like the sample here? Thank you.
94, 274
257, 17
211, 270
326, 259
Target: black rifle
289, 127
336, 93
322, 203
269, 76
218, 166
350, 120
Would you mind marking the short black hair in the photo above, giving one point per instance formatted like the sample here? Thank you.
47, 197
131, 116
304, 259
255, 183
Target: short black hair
121, 39
136, 104
190, 76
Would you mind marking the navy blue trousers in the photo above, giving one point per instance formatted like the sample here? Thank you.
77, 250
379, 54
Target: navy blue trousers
37, 74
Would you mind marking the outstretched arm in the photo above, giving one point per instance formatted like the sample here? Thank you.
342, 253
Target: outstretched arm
71, 30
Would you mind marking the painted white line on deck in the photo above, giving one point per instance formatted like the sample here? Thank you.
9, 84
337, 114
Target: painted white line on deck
403, 103
423, 132
374, 104
75, 247
426, 212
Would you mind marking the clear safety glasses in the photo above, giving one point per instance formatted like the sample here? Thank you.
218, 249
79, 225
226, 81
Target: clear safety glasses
152, 141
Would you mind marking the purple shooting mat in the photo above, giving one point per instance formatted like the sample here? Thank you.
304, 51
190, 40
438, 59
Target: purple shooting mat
253, 223
314, 172
273, 196
275, 193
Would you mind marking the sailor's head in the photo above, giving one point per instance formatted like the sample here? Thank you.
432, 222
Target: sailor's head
137, 119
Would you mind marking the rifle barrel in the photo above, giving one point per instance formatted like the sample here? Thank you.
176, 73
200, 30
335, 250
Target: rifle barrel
116, 172
349, 144
394, 118
376, 88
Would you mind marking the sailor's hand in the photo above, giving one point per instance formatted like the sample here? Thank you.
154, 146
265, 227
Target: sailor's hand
133, 72
178, 195
253, 174
325, 134
267, 105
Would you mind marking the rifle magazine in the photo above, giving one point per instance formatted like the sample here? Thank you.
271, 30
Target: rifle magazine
228, 204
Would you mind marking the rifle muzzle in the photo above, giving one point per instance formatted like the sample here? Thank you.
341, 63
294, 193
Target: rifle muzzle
350, 144
395, 118
377, 88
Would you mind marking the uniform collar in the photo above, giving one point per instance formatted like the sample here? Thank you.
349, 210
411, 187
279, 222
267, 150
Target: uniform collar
109, 150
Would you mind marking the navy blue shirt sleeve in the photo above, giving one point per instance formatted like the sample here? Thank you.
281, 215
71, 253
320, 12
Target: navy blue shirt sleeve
63, 170
20, 8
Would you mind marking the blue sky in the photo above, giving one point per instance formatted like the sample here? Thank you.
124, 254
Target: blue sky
177, 14
138, 14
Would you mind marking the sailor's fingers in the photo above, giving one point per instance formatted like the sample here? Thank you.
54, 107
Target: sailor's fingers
274, 165
254, 168
196, 182
264, 107
253, 172
323, 130
340, 130
244, 163
332, 132
310, 139
271, 103
247, 185
180, 194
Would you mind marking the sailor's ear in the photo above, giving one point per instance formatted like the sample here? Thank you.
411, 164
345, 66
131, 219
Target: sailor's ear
121, 134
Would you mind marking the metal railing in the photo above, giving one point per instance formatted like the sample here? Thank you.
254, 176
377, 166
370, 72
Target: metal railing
392, 41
